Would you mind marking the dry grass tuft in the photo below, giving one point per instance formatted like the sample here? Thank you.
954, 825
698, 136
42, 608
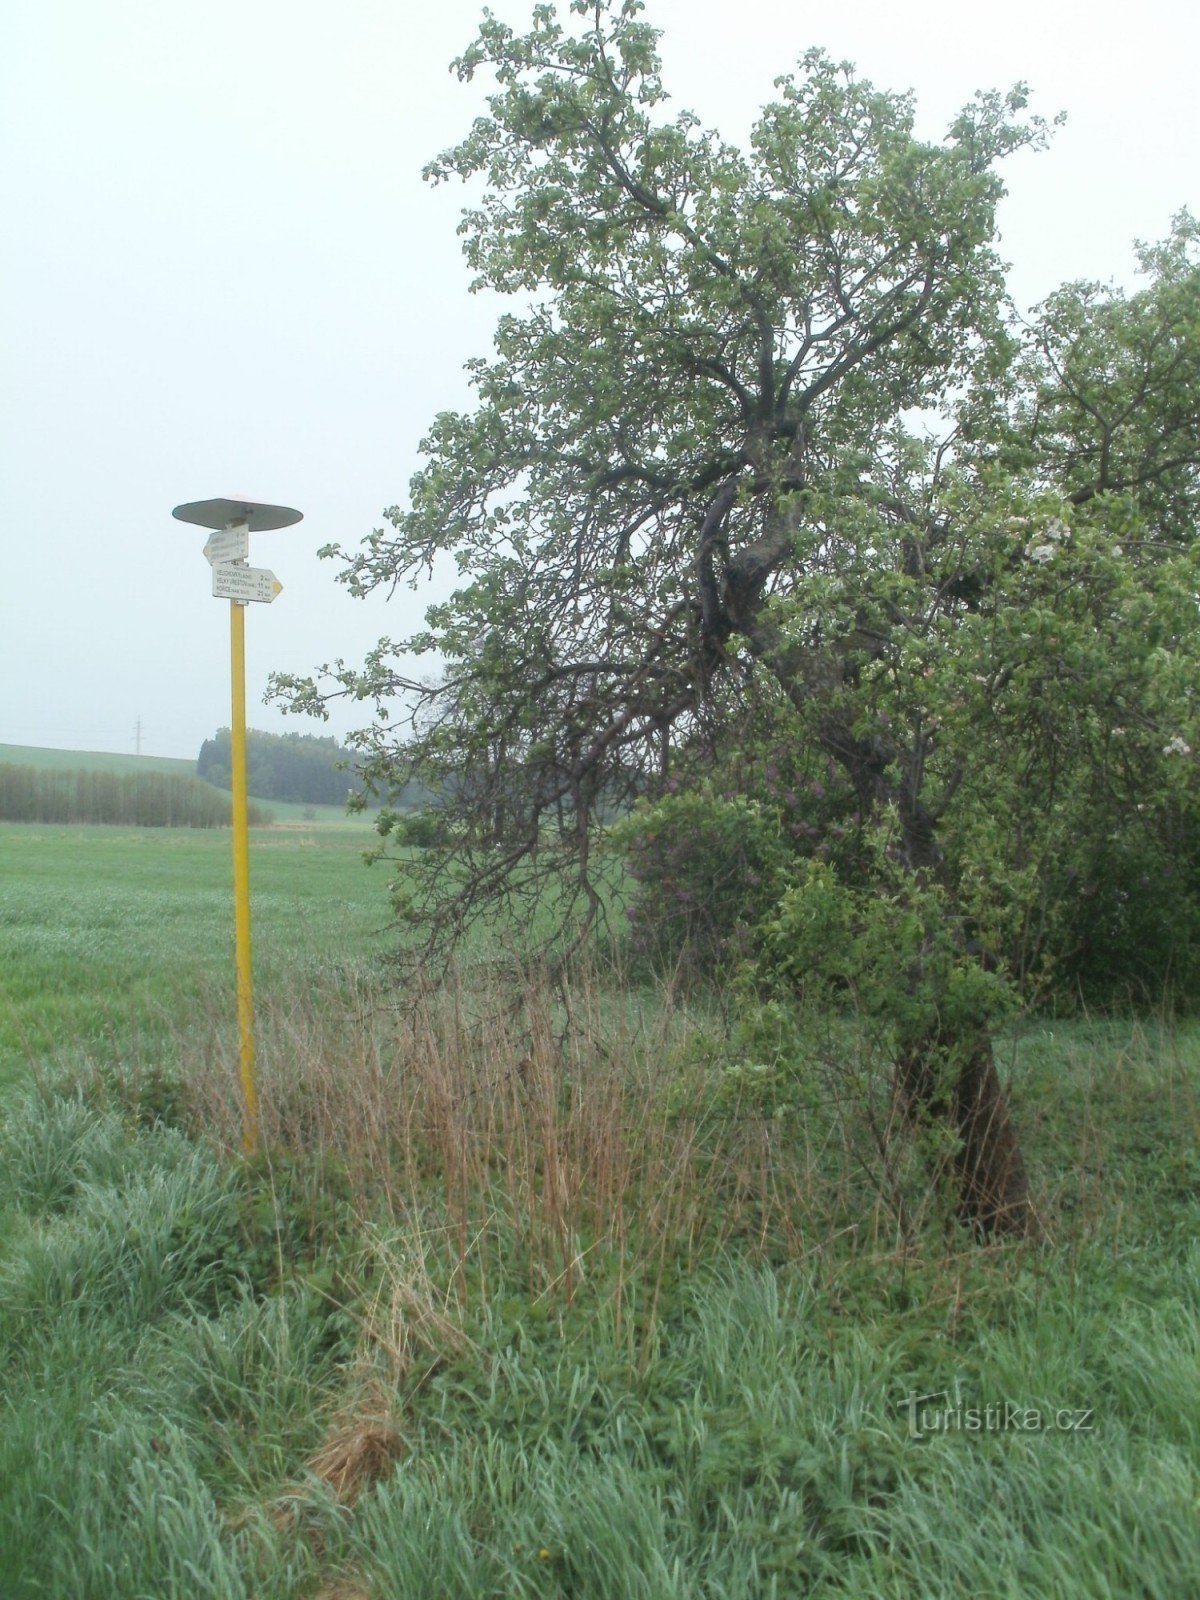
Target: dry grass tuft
408, 1320
359, 1451
355, 1457
343, 1589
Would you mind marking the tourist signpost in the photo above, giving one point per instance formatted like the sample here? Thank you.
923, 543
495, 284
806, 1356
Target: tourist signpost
228, 546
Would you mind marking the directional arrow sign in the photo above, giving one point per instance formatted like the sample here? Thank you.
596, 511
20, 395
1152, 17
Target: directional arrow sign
245, 583
228, 544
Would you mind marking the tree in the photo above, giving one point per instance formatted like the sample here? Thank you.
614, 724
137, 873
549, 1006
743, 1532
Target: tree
687, 485
290, 766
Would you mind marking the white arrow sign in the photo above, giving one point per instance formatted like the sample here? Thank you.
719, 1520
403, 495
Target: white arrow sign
228, 544
245, 583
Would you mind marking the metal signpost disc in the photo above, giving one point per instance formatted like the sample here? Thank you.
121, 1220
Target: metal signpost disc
231, 513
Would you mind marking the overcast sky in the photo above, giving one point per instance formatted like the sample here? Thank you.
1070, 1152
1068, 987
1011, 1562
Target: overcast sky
223, 275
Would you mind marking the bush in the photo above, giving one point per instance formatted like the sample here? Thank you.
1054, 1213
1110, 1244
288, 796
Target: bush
419, 830
706, 869
896, 959
1130, 930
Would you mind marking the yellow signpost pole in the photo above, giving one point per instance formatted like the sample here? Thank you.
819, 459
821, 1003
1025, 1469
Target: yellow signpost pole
241, 874
232, 522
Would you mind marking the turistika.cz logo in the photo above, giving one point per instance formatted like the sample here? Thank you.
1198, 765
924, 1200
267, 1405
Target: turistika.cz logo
945, 1411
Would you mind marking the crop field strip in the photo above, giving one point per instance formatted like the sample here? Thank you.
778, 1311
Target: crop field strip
283, 812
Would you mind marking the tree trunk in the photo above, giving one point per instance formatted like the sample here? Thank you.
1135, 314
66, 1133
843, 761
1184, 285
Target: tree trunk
988, 1166
991, 1183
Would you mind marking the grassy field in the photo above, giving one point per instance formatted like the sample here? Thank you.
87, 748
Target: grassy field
104, 930
30, 755
283, 811
548, 1293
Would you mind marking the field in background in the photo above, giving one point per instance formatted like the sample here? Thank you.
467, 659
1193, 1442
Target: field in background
546, 1293
282, 811
29, 755
108, 930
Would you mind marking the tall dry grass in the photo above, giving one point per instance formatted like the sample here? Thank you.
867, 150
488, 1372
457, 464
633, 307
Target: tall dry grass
533, 1142
560, 1135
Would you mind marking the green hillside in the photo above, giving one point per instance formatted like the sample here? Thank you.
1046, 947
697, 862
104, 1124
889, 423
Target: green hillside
28, 755
24, 755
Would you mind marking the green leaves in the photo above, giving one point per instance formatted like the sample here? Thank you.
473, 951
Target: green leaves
1111, 385
689, 488
895, 959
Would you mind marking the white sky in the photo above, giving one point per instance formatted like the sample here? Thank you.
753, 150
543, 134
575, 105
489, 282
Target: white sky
222, 275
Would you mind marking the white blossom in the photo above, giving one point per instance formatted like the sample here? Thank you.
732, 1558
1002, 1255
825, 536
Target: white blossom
1178, 746
1041, 553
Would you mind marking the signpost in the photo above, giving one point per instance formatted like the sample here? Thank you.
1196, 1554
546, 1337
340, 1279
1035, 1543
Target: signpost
245, 583
227, 549
227, 544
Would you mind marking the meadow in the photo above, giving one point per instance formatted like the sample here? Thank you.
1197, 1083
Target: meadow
547, 1290
107, 929
30, 755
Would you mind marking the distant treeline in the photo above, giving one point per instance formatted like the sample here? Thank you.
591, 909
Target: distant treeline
283, 766
137, 799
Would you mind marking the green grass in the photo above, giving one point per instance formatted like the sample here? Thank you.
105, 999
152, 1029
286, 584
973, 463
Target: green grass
28, 755
166, 1387
766, 1450
105, 932
715, 1402
149, 1374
